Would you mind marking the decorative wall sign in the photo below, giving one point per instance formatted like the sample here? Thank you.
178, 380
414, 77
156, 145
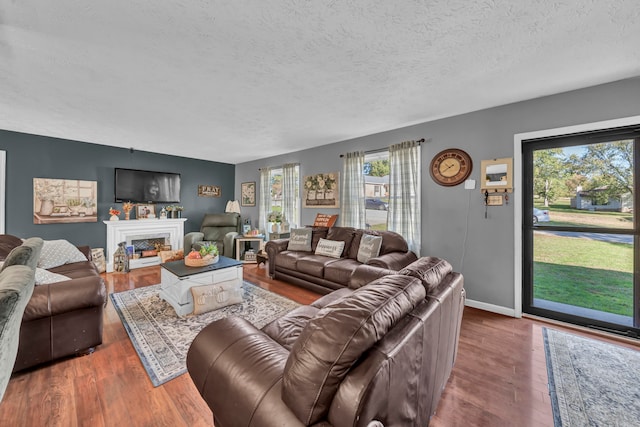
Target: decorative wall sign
248, 190
209, 191
321, 190
64, 200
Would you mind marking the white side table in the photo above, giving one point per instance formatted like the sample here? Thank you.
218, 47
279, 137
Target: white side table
240, 241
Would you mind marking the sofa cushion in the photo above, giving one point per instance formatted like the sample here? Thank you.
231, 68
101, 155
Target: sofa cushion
330, 248
285, 330
7, 243
289, 259
430, 270
344, 234
300, 240
369, 247
317, 233
58, 252
341, 270
25, 254
337, 337
314, 264
392, 242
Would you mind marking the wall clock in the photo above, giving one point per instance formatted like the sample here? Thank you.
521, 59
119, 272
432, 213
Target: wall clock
450, 167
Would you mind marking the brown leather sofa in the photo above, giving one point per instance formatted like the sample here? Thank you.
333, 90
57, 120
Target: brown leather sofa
377, 355
64, 318
324, 274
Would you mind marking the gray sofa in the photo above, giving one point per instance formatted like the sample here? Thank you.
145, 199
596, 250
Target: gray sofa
17, 279
324, 274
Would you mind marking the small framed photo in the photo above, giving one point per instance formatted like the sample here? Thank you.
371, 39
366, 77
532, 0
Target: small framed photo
130, 251
145, 211
248, 192
246, 228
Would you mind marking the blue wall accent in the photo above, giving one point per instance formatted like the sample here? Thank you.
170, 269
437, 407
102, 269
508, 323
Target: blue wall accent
32, 156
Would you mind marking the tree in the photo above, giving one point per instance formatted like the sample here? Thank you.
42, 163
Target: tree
377, 168
549, 172
609, 166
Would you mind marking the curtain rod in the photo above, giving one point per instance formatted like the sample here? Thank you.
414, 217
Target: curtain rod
420, 141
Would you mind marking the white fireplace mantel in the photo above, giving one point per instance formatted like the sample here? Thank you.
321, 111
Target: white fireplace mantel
120, 231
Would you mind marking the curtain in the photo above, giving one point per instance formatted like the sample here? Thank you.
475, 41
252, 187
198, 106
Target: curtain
352, 212
290, 196
264, 206
404, 193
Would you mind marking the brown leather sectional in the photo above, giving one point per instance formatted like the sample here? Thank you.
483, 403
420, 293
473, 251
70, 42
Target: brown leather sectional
381, 353
323, 274
61, 319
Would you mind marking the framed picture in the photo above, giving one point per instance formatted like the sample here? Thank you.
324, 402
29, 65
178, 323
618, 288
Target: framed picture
246, 228
58, 201
248, 193
145, 211
130, 250
321, 190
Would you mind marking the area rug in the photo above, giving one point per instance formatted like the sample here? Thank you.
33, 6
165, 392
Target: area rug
162, 339
592, 383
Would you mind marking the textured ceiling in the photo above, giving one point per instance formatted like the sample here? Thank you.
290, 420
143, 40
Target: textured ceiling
233, 81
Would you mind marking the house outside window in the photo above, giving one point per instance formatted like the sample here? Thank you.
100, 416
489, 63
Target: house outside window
376, 189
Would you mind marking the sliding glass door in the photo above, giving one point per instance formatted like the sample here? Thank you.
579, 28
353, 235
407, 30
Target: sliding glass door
581, 229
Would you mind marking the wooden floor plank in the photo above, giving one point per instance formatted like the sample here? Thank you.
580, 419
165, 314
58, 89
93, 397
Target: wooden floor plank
499, 378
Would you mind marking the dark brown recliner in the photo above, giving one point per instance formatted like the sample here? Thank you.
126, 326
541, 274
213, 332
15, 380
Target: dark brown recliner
64, 318
380, 353
218, 228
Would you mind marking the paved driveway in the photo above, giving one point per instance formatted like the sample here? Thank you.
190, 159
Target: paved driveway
613, 238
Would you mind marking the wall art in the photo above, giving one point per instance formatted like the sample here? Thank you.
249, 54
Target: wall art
248, 192
321, 190
209, 191
58, 201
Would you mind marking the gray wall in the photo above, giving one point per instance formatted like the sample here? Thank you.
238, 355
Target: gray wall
31, 156
488, 254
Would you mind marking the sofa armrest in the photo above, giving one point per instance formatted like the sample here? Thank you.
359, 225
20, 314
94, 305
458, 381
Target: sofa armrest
393, 260
63, 297
237, 370
229, 243
86, 251
190, 239
365, 273
273, 248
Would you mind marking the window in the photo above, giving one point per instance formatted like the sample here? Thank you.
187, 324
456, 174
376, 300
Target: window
376, 189
284, 185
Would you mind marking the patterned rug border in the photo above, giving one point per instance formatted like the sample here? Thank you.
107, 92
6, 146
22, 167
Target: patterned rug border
168, 361
590, 380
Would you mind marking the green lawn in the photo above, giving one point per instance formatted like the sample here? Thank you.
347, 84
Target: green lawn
584, 273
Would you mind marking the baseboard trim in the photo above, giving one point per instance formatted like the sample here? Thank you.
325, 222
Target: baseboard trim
491, 307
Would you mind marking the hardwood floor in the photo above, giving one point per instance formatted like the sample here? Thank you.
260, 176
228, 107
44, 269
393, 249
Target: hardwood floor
499, 378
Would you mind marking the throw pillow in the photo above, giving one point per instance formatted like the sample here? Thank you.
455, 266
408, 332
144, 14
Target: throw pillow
300, 240
59, 252
369, 247
44, 277
26, 254
213, 297
330, 248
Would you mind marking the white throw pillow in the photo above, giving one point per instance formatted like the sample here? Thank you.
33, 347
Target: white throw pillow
44, 277
369, 247
59, 252
330, 248
300, 240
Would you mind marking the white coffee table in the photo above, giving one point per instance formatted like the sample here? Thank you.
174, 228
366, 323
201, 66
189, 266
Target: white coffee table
177, 279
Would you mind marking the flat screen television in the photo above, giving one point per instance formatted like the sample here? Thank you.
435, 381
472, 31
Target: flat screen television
138, 186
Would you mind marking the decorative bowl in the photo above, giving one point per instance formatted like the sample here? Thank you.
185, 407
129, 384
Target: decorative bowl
201, 262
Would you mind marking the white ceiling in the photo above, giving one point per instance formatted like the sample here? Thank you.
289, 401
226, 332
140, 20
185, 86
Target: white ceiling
233, 81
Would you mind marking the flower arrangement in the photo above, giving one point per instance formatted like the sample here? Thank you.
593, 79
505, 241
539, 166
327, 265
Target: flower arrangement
321, 181
274, 217
115, 212
126, 207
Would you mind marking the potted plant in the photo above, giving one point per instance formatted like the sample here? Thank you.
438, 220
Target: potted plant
74, 206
